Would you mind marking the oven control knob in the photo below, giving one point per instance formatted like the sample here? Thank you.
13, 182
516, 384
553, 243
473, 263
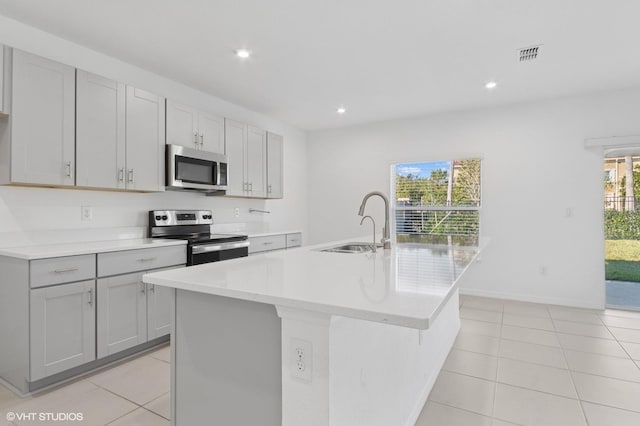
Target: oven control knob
158, 217
164, 217
209, 217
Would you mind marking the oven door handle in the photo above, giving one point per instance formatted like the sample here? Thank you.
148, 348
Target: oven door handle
208, 248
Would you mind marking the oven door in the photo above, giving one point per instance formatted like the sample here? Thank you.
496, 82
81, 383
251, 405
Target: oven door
191, 169
206, 253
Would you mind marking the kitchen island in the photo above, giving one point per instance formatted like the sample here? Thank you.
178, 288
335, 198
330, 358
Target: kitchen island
308, 337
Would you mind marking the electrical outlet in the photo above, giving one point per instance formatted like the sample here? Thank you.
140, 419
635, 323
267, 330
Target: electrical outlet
301, 355
86, 213
236, 212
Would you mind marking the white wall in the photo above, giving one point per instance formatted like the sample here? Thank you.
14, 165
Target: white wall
534, 169
25, 210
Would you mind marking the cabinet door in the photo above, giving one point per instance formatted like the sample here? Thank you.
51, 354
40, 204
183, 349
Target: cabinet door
62, 328
122, 313
159, 301
100, 131
182, 125
274, 165
145, 140
42, 139
256, 157
235, 134
2, 101
211, 132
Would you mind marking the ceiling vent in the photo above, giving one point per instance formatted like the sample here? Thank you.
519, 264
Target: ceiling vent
528, 54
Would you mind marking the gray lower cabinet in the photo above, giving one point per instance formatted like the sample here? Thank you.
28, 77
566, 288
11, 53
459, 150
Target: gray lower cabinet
122, 313
131, 312
158, 310
62, 316
63, 331
274, 242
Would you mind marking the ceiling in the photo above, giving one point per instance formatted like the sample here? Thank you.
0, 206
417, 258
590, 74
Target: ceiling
380, 59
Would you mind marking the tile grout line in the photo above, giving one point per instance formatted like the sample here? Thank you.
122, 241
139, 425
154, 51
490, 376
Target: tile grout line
573, 383
622, 346
495, 386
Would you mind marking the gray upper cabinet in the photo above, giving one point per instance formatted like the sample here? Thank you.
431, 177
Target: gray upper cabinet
251, 173
255, 160
274, 165
235, 134
145, 126
62, 328
3, 109
211, 132
100, 132
120, 135
42, 121
189, 127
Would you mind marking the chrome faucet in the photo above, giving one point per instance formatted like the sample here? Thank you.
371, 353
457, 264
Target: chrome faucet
386, 239
374, 231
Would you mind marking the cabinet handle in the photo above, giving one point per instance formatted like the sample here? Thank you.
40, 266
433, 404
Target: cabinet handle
91, 297
267, 243
294, 241
250, 186
195, 138
269, 189
62, 271
202, 140
152, 288
142, 288
130, 178
121, 174
68, 168
147, 259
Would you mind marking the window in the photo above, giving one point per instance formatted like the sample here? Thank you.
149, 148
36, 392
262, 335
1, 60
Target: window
438, 202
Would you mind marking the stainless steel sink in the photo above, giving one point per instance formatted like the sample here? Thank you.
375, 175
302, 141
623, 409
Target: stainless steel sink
352, 248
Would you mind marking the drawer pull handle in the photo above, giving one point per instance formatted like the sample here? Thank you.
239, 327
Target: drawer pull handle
147, 259
91, 297
266, 243
142, 288
152, 288
62, 271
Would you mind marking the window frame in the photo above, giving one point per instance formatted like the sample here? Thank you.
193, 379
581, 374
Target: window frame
393, 201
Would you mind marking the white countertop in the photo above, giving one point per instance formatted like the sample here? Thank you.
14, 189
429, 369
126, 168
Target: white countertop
42, 251
406, 286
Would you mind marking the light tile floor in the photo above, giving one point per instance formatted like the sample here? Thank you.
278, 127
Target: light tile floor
513, 363
528, 364
133, 393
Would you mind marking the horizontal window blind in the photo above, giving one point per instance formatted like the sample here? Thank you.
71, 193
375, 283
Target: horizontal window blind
438, 202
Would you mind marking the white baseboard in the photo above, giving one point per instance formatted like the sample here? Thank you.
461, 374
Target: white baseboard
533, 299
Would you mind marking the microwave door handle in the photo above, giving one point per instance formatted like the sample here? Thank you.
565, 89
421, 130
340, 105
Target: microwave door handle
209, 248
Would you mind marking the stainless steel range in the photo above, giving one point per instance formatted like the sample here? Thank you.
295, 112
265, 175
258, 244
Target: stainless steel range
195, 226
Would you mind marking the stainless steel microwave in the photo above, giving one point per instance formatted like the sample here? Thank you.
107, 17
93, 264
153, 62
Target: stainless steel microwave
195, 170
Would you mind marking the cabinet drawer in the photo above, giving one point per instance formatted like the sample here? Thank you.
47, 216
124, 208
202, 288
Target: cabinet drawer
294, 240
272, 242
58, 270
123, 262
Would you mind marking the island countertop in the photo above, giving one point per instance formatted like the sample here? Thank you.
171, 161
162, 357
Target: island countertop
405, 286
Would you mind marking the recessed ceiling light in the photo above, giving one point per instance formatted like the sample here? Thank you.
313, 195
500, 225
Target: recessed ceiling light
491, 85
243, 53
341, 110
